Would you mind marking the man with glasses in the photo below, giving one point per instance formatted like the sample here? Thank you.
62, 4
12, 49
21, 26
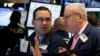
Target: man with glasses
48, 42
87, 38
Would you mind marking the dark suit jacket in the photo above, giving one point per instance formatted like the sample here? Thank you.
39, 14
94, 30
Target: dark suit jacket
55, 41
92, 46
64, 35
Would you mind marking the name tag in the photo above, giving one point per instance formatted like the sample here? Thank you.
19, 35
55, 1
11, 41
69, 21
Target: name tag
23, 45
66, 40
43, 48
83, 37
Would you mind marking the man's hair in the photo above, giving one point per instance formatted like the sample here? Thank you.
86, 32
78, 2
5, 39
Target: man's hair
59, 24
80, 8
58, 20
39, 9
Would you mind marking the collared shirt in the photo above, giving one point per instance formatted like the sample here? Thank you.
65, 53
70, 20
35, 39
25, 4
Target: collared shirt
40, 37
82, 29
76, 37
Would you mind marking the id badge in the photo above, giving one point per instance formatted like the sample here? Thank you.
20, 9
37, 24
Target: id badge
43, 48
23, 45
83, 37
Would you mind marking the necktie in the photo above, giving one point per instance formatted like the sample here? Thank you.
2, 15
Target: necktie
75, 39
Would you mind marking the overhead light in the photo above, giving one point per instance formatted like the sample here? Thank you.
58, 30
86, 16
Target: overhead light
5, 4
10, 4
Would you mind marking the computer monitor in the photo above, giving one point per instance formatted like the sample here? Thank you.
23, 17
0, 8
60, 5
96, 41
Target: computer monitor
5, 14
87, 3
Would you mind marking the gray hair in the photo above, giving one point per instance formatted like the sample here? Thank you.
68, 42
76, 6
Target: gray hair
79, 8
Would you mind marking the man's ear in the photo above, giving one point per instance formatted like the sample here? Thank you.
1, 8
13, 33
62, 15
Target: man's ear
32, 21
80, 17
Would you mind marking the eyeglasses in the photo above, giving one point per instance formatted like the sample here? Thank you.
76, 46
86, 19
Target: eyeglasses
40, 19
66, 17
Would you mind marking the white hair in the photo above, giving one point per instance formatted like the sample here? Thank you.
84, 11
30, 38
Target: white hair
79, 8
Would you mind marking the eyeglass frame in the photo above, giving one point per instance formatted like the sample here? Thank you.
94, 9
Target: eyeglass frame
66, 17
41, 20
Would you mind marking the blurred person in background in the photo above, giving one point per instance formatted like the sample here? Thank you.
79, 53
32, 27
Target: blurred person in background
11, 34
59, 28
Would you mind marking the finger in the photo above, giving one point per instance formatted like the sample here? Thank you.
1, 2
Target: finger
36, 41
36, 51
33, 51
61, 49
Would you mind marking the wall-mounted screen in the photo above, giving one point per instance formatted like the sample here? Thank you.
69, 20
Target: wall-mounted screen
5, 14
88, 3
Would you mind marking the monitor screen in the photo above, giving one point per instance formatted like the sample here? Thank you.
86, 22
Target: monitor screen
87, 3
5, 14
55, 10
30, 31
44, 1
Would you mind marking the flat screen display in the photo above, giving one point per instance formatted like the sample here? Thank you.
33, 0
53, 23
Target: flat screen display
5, 14
87, 3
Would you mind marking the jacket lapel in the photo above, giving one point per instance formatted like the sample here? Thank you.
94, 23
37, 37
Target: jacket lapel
70, 42
86, 32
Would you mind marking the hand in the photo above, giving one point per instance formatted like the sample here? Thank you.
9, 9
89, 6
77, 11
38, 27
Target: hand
73, 53
62, 49
36, 51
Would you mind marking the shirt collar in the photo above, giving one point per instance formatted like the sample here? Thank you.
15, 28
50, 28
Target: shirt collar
40, 37
82, 29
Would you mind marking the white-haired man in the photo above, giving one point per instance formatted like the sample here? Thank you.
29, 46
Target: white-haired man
87, 42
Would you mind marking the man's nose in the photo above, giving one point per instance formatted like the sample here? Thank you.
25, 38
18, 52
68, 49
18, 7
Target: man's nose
44, 22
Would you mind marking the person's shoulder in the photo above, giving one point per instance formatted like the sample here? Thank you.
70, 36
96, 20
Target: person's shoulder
56, 36
97, 31
4, 29
94, 32
92, 29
